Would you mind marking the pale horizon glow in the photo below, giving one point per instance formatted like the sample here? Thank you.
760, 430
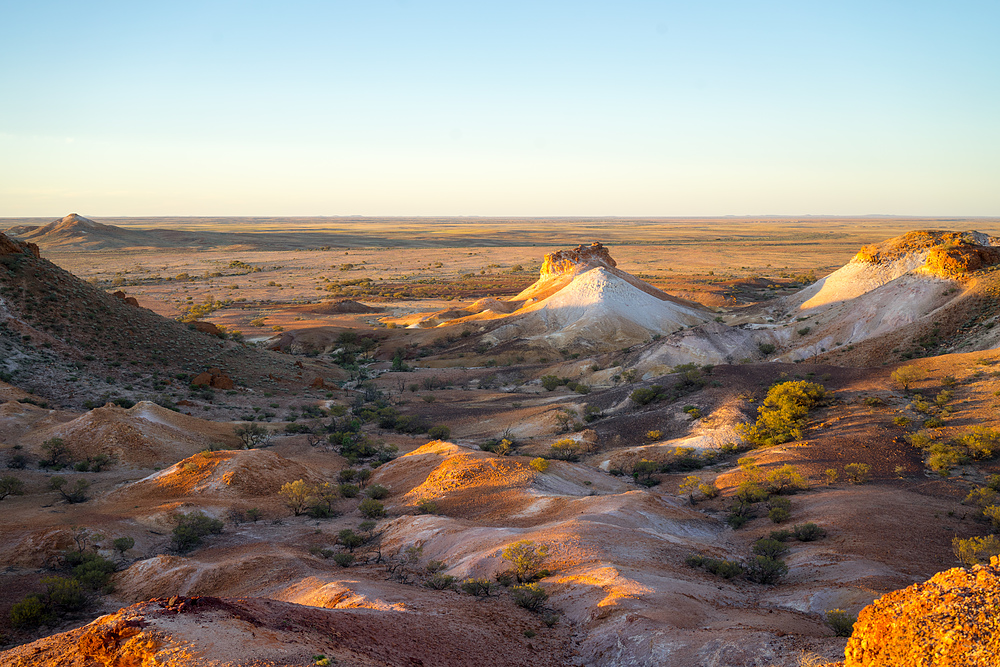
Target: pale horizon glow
407, 108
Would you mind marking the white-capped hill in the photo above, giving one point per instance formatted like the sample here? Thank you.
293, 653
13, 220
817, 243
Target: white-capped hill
582, 299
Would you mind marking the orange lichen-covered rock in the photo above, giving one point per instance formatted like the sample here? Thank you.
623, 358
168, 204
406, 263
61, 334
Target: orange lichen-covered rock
961, 259
951, 620
565, 261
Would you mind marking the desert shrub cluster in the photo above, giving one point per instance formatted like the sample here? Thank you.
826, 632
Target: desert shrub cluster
782, 415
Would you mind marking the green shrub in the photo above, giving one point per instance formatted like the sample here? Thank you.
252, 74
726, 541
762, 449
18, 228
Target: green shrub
428, 507
765, 546
90, 569
77, 493
439, 581
377, 491
644, 396
808, 532
981, 442
343, 560
785, 480
479, 587
782, 535
551, 382
841, 622
779, 509
740, 512
764, 569
727, 569
529, 596
439, 432
781, 416
64, 594
371, 509
29, 613
349, 490
191, 529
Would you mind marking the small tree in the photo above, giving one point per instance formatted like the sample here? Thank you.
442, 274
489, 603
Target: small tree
689, 486
857, 473
539, 464
296, 495
71, 494
905, 376
56, 454
526, 558
253, 436
11, 486
350, 539
123, 544
566, 449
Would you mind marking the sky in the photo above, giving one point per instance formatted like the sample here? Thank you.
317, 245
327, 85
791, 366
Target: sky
405, 107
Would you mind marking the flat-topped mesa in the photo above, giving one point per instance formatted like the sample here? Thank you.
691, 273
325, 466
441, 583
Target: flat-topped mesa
9, 246
568, 261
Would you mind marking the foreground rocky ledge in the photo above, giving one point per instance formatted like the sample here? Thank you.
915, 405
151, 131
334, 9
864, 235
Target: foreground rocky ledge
951, 620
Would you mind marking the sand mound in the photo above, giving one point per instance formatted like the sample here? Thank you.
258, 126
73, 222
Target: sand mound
948, 621
229, 473
144, 435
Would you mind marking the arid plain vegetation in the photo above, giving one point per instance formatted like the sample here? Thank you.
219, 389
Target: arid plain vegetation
574, 442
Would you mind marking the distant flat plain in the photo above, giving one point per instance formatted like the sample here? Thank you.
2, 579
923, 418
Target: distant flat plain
697, 258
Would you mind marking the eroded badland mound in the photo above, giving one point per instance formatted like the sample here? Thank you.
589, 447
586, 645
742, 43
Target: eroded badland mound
580, 300
354, 536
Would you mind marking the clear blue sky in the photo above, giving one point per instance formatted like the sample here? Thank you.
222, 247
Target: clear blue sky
499, 108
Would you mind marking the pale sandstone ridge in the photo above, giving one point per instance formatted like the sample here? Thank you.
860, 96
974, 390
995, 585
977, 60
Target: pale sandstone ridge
948, 621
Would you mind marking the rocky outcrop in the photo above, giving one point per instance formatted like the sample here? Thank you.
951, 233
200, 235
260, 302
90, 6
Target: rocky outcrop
121, 296
566, 261
951, 620
214, 378
9, 246
956, 260
208, 328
